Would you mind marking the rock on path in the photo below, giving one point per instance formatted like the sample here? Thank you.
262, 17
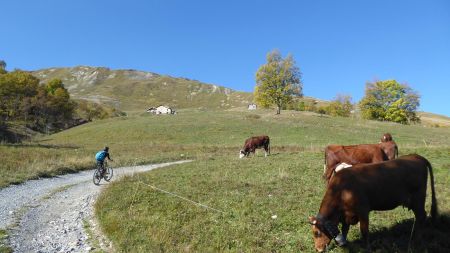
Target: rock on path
49, 215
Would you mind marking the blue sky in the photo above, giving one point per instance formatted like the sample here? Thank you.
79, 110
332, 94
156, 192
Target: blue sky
338, 45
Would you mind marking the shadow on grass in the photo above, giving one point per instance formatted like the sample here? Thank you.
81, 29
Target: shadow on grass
432, 237
8, 136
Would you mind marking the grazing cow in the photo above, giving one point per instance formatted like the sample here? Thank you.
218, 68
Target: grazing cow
253, 143
354, 154
386, 137
353, 193
390, 149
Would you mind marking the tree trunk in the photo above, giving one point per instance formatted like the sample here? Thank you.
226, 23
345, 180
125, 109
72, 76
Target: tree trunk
278, 109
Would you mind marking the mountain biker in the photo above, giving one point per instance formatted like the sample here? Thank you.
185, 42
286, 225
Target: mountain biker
101, 156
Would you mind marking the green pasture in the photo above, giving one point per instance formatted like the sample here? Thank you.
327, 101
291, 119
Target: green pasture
248, 192
195, 134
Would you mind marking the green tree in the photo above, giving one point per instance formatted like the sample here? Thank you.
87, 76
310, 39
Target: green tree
15, 87
322, 110
340, 106
51, 108
391, 101
277, 81
2, 67
301, 106
90, 111
25, 101
53, 85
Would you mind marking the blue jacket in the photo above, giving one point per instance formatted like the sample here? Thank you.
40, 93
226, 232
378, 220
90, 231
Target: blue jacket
101, 155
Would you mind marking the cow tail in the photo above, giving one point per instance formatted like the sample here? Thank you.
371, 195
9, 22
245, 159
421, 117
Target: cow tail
434, 208
396, 152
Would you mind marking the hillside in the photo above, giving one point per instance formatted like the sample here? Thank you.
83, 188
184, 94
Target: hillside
434, 120
132, 90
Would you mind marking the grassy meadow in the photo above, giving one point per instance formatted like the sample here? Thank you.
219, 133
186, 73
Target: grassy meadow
248, 192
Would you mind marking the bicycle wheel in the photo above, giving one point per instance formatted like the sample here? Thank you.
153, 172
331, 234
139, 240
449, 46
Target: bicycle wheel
97, 177
108, 174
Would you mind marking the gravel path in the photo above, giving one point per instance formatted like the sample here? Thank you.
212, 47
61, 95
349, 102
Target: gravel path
56, 214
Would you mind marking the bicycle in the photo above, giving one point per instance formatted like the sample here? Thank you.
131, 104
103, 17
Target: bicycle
105, 172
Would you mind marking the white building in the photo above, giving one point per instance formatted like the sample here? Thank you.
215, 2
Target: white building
161, 110
252, 106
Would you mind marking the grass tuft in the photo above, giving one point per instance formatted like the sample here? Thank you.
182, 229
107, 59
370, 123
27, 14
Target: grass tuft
3, 242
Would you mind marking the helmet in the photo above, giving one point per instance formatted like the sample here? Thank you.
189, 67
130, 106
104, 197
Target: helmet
106, 148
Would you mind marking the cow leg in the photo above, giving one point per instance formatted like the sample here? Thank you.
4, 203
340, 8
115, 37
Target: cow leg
345, 228
420, 214
418, 207
342, 238
364, 227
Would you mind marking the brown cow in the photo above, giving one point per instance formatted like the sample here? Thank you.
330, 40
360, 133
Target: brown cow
353, 193
252, 143
354, 154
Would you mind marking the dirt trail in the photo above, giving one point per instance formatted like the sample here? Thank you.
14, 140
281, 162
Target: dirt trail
56, 214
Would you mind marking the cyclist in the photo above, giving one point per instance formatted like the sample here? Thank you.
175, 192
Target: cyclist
100, 157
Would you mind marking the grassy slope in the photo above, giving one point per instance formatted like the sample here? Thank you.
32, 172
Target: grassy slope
435, 120
131, 90
250, 191
145, 220
144, 138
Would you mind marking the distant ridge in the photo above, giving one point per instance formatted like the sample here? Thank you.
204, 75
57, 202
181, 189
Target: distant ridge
133, 90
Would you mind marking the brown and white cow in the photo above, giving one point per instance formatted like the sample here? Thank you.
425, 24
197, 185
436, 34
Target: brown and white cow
353, 154
252, 143
352, 193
